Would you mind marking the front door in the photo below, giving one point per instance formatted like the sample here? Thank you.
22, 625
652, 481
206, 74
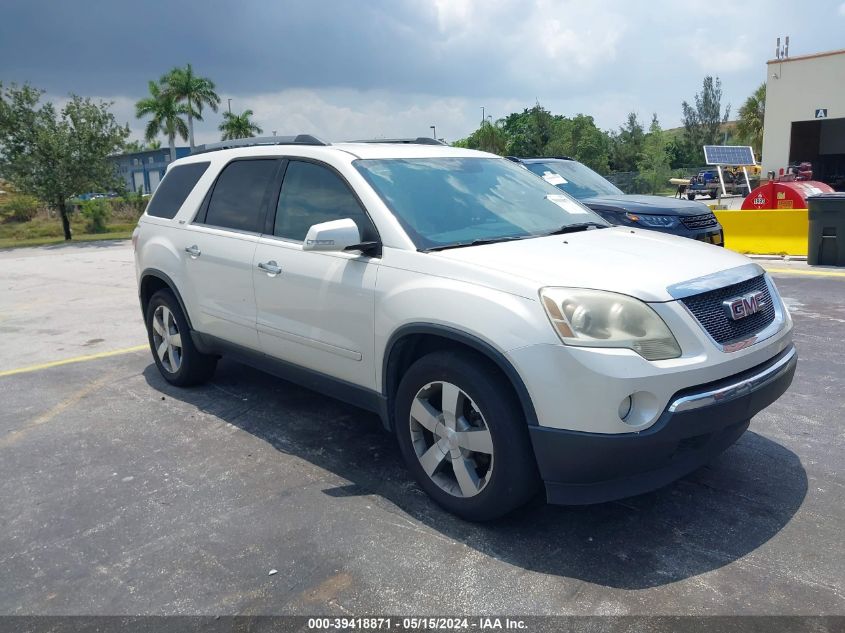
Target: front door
316, 309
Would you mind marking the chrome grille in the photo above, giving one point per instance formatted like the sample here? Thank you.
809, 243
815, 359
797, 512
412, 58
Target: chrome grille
708, 309
703, 221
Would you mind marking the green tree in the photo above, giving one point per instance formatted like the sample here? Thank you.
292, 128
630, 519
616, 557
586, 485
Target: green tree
165, 114
529, 131
628, 144
703, 120
238, 126
579, 138
654, 160
195, 91
489, 137
55, 155
137, 146
751, 117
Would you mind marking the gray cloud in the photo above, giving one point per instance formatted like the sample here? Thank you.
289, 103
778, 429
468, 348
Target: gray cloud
394, 67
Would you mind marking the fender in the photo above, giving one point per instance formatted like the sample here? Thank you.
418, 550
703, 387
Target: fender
154, 272
479, 345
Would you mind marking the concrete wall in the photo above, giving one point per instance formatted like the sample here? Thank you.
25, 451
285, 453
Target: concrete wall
795, 88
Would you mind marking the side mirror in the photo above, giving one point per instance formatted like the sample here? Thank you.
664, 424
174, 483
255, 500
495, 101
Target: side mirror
337, 235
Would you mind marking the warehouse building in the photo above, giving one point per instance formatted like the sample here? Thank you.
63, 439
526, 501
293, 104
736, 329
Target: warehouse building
142, 171
805, 115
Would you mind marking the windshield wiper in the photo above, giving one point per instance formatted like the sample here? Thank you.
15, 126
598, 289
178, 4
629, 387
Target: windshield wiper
578, 226
478, 242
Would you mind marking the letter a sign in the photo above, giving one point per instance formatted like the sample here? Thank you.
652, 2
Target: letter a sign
821, 113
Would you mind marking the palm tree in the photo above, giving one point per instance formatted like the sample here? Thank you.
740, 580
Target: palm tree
194, 90
238, 126
751, 114
166, 113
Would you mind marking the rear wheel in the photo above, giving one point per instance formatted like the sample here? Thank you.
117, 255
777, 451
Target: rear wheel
463, 436
176, 357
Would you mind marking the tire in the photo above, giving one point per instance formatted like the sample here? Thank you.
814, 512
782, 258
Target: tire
180, 363
482, 466
690, 196
713, 194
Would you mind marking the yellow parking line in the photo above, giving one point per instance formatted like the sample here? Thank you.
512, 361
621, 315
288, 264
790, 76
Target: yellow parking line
74, 398
76, 359
796, 271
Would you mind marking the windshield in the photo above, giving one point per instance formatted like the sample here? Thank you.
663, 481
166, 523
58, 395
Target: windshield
455, 201
578, 180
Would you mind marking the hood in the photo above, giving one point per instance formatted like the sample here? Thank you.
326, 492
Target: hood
654, 205
634, 262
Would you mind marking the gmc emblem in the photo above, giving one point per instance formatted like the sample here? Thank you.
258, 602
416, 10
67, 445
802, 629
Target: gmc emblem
746, 305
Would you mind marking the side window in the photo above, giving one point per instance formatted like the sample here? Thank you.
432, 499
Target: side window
312, 194
171, 193
240, 195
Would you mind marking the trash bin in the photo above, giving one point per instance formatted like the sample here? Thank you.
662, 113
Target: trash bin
826, 237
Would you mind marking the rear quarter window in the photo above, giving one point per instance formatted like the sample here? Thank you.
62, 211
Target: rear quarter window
174, 189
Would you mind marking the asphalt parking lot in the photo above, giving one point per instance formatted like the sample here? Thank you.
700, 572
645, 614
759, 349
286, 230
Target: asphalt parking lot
123, 495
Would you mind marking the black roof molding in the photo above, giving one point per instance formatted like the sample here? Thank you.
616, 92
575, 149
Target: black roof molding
517, 159
420, 140
299, 139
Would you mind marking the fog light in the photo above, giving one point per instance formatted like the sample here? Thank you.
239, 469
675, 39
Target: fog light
625, 408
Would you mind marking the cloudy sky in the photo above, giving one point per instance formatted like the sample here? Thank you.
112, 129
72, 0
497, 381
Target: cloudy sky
346, 69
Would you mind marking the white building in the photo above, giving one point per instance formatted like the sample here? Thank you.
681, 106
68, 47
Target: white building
805, 115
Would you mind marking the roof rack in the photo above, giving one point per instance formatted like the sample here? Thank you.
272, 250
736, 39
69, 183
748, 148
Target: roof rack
420, 140
299, 139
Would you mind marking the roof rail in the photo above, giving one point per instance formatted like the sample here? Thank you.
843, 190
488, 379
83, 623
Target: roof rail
518, 159
420, 140
299, 139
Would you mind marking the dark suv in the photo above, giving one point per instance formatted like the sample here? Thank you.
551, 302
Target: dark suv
657, 213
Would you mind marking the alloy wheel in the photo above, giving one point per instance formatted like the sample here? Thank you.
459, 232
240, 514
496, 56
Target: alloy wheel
451, 439
167, 339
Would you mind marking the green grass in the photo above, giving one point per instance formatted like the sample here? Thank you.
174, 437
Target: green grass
41, 231
45, 241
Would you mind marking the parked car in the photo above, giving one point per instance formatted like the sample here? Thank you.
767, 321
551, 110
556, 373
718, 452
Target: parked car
657, 213
504, 332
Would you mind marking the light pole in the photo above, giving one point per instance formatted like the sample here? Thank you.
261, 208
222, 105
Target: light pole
230, 105
433, 132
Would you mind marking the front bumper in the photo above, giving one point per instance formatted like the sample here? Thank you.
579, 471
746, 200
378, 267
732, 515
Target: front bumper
698, 424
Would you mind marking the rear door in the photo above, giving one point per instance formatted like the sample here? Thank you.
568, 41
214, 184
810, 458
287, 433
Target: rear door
219, 247
315, 309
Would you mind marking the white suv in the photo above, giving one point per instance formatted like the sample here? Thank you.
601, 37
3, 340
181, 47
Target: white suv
502, 330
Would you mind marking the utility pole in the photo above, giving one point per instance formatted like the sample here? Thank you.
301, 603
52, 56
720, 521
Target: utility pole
483, 118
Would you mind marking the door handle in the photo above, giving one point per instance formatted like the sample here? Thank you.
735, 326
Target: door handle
193, 251
271, 267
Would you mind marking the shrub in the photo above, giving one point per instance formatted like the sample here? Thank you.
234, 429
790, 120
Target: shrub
19, 208
97, 212
136, 201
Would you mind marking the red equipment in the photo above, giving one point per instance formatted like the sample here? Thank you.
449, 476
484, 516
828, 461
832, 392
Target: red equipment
784, 195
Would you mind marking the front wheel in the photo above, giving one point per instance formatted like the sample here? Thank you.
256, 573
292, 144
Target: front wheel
176, 357
464, 437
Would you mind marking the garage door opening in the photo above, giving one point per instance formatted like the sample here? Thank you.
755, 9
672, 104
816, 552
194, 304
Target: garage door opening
821, 143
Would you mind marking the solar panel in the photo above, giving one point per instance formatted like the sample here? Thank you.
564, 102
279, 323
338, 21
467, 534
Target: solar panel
728, 155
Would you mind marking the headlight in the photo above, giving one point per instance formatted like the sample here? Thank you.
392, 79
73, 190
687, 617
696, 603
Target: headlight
657, 221
595, 318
